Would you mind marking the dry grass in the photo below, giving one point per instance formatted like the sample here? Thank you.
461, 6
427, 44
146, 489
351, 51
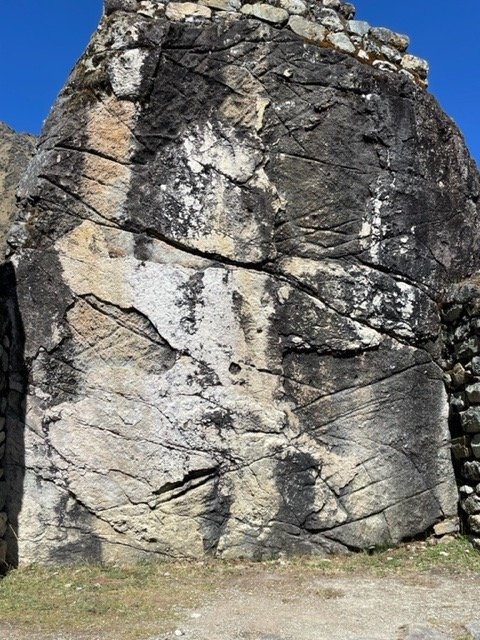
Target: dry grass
135, 602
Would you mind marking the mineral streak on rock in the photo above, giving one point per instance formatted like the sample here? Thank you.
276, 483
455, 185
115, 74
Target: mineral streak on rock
230, 250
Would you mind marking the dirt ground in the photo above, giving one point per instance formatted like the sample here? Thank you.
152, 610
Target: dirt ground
274, 605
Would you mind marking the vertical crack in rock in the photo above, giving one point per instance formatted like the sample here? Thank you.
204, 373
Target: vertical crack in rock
230, 250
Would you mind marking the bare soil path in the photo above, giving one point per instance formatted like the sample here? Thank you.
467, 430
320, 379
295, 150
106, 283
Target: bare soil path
325, 600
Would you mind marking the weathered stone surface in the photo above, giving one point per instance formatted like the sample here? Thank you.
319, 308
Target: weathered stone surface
15, 152
182, 10
471, 505
342, 42
307, 29
471, 420
461, 448
358, 27
346, 9
474, 524
266, 12
119, 5
447, 527
417, 65
388, 37
294, 7
239, 240
471, 470
473, 393
223, 5
331, 20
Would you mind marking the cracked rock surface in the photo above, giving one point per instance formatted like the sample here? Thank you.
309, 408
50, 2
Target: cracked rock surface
229, 256
16, 149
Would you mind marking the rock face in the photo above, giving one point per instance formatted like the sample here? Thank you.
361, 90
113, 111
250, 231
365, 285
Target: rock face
15, 153
229, 256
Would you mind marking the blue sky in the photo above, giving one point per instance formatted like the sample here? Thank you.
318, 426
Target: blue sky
40, 41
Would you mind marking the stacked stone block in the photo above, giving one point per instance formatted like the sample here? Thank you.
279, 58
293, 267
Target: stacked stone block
327, 23
461, 321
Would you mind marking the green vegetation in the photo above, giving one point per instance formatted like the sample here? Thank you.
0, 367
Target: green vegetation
148, 599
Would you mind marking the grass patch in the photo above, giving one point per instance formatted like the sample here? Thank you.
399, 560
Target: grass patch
128, 603
132, 603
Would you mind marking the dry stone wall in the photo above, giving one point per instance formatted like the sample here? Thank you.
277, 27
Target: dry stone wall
230, 251
461, 318
327, 23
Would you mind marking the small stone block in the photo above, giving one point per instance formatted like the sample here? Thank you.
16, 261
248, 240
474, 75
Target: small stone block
266, 12
458, 375
119, 5
400, 41
331, 20
381, 34
332, 4
182, 10
470, 420
471, 470
466, 490
294, 7
475, 366
341, 42
222, 5
474, 524
458, 401
358, 27
307, 29
473, 393
447, 527
416, 65
391, 54
347, 10
471, 505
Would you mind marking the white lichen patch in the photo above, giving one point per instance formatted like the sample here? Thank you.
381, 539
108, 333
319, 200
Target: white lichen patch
206, 147
125, 72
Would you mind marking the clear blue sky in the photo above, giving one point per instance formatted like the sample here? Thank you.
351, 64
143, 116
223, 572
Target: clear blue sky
40, 41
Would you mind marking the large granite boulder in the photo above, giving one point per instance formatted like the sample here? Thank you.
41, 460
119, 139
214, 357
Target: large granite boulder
231, 246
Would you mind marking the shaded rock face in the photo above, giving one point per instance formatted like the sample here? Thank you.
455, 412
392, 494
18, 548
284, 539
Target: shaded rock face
229, 256
15, 152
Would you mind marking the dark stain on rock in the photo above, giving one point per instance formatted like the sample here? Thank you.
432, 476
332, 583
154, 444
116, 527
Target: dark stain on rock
142, 248
216, 513
71, 515
192, 294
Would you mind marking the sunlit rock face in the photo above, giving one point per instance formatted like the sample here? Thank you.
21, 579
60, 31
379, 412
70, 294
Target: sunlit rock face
229, 256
